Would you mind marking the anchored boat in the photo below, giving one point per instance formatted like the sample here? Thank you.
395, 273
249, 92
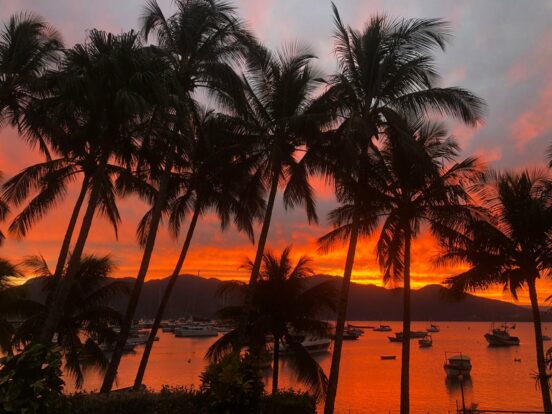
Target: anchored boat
426, 342
457, 364
501, 336
433, 328
312, 344
413, 335
189, 331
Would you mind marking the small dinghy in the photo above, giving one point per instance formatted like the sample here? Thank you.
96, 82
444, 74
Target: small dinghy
426, 342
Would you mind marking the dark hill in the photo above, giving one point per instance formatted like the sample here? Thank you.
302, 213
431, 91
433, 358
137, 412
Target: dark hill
196, 295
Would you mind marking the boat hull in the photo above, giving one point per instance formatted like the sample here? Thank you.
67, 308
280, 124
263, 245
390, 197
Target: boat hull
194, 334
494, 340
454, 371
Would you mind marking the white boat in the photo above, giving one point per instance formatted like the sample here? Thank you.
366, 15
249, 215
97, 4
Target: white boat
145, 324
189, 331
457, 364
312, 344
433, 328
383, 328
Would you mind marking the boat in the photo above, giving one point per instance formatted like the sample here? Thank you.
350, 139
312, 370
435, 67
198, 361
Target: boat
105, 347
312, 344
457, 364
361, 326
501, 336
388, 357
188, 331
354, 329
145, 324
426, 342
350, 334
413, 335
433, 328
396, 338
383, 328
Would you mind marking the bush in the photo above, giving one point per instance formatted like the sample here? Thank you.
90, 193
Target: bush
288, 402
232, 386
179, 401
30, 382
168, 401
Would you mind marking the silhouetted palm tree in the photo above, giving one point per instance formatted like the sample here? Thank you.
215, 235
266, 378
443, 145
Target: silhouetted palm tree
4, 210
28, 47
269, 106
11, 303
282, 306
213, 179
104, 94
196, 42
86, 315
384, 71
510, 245
423, 184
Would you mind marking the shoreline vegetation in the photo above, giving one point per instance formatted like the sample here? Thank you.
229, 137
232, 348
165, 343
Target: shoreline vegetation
125, 114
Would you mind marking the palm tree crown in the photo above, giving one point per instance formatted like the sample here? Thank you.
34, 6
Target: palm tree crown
86, 315
28, 46
283, 306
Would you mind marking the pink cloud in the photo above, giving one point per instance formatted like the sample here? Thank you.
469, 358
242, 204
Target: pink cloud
534, 122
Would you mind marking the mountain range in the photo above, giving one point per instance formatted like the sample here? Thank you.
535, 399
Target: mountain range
197, 296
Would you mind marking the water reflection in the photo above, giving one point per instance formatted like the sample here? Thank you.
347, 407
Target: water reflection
460, 390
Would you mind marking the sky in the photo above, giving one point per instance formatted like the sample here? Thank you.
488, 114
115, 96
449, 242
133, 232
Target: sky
501, 50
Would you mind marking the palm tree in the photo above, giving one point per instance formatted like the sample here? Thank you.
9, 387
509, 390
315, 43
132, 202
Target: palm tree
384, 71
197, 42
86, 314
4, 210
213, 179
419, 189
282, 306
28, 47
11, 303
510, 245
270, 107
104, 94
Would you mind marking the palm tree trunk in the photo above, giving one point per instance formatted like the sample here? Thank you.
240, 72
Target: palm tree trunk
405, 362
126, 325
64, 251
164, 301
55, 310
543, 378
259, 257
342, 315
264, 230
275, 364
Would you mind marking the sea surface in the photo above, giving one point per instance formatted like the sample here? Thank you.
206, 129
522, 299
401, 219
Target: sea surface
501, 378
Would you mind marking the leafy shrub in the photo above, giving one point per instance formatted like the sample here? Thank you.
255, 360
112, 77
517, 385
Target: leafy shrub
180, 401
233, 386
288, 402
169, 401
30, 382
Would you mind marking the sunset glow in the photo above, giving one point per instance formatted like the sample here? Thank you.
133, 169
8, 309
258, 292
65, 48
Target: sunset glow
514, 135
